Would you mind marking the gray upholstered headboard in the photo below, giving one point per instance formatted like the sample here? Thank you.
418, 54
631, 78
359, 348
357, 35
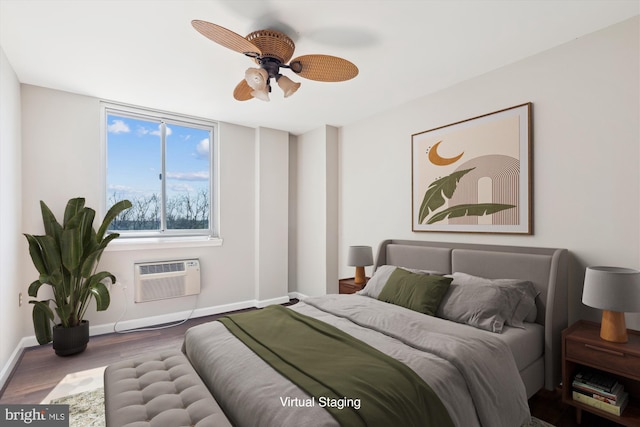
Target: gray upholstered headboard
546, 268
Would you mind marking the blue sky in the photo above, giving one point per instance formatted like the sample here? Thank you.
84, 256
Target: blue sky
134, 158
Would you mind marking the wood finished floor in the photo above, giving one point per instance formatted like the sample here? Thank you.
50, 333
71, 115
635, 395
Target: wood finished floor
39, 370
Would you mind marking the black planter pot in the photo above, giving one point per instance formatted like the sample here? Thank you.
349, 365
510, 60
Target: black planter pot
68, 341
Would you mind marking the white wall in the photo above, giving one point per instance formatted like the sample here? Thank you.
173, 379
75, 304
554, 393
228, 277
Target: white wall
11, 241
272, 220
293, 214
586, 156
316, 213
61, 149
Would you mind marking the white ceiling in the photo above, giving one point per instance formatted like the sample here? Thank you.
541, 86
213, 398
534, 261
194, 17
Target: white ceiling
146, 53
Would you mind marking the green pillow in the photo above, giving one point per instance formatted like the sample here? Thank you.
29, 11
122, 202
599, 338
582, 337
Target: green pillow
419, 292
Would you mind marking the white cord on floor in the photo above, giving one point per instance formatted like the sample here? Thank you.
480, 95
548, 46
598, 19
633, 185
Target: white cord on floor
152, 328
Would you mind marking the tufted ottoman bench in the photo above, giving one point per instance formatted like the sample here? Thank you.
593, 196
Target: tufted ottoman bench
160, 390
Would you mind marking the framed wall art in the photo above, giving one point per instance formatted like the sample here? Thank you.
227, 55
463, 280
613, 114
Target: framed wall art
474, 176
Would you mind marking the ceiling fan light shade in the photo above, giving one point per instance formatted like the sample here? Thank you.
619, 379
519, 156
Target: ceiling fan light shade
261, 94
288, 86
258, 80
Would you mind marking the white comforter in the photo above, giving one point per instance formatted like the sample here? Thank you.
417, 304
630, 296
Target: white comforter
475, 376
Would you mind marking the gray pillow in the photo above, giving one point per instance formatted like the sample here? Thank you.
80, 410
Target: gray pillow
375, 285
525, 310
378, 280
479, 306
488, 304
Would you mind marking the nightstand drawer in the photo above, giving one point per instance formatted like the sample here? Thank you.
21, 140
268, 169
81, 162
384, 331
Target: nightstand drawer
349, 288
612, 360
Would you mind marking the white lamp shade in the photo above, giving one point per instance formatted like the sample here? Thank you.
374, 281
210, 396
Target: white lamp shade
256, 78
288, 86
360, 256
612, 288
262, 95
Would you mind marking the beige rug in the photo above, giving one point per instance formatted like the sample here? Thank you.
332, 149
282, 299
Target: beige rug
77, 382
86, 409
84, 393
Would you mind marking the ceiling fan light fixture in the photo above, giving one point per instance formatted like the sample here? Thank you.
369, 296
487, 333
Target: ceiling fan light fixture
272, 50
288, 86
261, 94
258, 80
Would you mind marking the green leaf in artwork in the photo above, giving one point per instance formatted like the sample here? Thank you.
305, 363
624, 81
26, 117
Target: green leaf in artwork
469, 210
433, 197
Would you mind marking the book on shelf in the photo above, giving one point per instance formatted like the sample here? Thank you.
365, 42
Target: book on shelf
596, 393
596, 379
615, 409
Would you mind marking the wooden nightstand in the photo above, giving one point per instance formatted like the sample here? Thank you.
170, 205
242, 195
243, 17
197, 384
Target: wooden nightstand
582, 346
348, 286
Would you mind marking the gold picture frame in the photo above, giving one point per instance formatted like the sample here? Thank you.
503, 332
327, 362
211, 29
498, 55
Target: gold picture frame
474, 176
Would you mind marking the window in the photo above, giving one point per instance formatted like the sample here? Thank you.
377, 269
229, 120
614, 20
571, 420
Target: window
163, 164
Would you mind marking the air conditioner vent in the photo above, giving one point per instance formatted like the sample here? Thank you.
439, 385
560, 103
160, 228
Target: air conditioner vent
170, 279
161, 268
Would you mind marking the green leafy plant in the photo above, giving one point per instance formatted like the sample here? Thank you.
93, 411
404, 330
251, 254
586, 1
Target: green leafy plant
66, 258
434, 198
437, 191
469, 210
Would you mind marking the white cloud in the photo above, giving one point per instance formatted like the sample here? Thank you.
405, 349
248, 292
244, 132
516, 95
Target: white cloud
186, 188
119, 187
157, 132
118, 126
124, 190
188, 176
203, 148
144, 131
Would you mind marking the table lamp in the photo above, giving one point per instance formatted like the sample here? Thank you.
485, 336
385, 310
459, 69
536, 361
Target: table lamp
615, 290
359, 257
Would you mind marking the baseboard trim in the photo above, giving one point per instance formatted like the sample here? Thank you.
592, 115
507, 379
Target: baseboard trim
146, 322
169, 318
272, 301
7, 369
297, 295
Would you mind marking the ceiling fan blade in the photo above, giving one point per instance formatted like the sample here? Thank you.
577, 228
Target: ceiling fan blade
242, 92
224, 37
323, 68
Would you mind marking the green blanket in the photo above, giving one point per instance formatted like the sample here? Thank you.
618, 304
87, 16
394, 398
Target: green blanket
357, 384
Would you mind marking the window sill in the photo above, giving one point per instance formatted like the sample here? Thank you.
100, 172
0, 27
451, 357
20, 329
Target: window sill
145, 243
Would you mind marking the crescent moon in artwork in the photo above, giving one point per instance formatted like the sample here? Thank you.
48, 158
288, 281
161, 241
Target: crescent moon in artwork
438, 160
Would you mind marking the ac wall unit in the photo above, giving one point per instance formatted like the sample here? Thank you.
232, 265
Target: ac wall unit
167, 279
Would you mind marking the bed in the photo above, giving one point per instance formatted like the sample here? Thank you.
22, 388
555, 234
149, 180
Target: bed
481, 368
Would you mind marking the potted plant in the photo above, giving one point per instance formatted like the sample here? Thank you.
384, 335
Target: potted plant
66, 258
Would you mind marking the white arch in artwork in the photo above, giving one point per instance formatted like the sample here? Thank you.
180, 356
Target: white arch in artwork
503, 175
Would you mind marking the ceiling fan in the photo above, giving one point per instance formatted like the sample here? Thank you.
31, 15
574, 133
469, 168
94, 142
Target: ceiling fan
272, 50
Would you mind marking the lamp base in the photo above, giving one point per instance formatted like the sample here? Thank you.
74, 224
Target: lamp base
613, 327
360, 277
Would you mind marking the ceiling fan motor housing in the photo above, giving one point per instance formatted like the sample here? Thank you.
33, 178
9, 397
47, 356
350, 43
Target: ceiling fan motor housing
272, 44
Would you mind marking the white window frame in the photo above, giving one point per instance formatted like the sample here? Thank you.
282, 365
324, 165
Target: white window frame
175, 236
